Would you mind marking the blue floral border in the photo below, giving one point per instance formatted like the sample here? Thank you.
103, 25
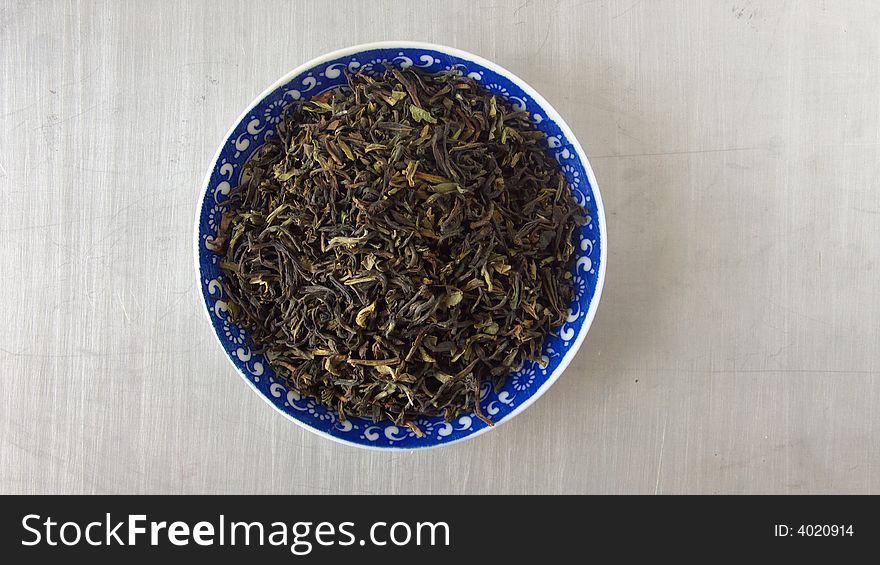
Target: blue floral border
251, 132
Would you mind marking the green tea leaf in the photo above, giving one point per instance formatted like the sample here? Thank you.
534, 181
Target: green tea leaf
285, 176
446, 188
346, 149
425, 356
451, 298
421, 115
395, 97
318, 107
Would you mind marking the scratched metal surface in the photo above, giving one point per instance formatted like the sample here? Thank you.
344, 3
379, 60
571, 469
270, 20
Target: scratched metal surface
736, 349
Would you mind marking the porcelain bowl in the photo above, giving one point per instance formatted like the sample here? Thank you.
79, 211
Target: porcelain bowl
250, 131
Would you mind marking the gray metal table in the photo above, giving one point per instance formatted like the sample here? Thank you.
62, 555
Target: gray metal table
736, 145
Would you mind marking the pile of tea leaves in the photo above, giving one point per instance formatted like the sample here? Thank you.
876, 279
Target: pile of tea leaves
397, 243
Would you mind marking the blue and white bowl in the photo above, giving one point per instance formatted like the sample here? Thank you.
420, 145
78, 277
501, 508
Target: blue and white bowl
258, 122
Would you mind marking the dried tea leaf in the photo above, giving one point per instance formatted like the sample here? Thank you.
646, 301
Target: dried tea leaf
386, 370
425, 356
395, 97
374, 362
360, 280
426, 198
446, 188
339, 240
451, 298
346, 149
363, 314
421, 115
317, 106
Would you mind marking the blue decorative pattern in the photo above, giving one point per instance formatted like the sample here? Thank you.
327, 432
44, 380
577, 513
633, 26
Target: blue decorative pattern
251, 132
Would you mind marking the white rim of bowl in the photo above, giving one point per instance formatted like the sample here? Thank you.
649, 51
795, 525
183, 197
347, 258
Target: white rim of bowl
552, 114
